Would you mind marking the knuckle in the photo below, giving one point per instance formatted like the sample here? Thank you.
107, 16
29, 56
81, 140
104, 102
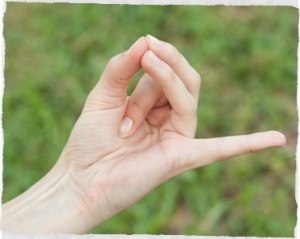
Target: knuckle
171, 48
168, 76
114, 67
111, 65
136, 108
171, 51
217, 153
174, 55
196, 79
114, 62
192, 108
221, 153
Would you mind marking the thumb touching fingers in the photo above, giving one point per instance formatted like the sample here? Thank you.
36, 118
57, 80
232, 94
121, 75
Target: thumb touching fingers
111, 89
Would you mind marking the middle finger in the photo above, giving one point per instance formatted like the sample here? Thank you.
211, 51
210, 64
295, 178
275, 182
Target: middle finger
169, 54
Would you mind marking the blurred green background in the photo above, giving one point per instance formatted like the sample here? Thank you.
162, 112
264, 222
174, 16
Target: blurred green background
246, 56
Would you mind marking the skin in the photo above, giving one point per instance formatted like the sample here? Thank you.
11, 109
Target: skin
123, 147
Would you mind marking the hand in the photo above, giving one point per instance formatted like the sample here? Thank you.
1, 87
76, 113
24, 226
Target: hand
123, 147
158, 129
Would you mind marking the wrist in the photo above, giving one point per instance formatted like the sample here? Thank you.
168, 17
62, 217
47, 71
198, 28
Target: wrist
52, 205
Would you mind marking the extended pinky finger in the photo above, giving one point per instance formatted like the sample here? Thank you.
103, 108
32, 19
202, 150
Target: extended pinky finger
206, 151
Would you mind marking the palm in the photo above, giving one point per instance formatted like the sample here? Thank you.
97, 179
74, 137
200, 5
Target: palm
139, 162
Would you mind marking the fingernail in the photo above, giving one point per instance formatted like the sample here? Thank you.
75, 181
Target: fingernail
155, 41
134, 44
281, 139
153, 58
125, 128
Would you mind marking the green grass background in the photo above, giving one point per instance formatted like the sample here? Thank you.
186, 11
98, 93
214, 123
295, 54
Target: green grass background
246, 56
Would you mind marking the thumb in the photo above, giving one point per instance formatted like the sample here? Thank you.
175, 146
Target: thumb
111, 89
206, 151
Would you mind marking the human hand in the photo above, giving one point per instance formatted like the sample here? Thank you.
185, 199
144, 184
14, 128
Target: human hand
112, 171
123, 147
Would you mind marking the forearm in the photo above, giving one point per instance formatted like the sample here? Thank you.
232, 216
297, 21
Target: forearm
49, 206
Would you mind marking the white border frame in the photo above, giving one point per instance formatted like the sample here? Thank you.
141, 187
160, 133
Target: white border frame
291, 3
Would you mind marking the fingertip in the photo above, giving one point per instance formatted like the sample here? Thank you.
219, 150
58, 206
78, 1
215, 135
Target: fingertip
148, 39
125, 127
268, 139
145, 58
147, 54
136, 113
278, 137
154, 42
138, 48
151, 60
151, 38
